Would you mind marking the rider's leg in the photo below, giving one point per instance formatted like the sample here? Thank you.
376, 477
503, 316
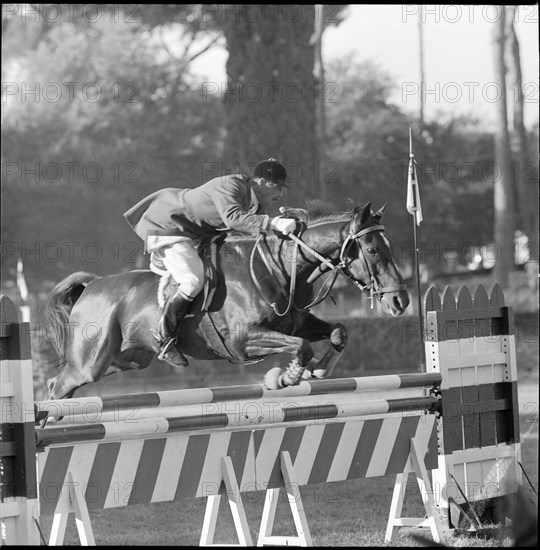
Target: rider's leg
186, 268
173, 312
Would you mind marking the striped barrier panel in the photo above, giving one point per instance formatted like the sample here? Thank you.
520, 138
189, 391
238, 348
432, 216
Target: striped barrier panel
174, 466
470, 342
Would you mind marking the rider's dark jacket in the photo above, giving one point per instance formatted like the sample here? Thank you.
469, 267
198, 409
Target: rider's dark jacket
225, 202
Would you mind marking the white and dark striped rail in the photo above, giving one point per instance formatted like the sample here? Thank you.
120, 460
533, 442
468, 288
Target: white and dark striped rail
172, 398
256, 417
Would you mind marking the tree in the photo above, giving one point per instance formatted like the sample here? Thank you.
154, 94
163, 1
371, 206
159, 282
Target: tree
422, 70
525, 172
316, 41
271, 91
504, 187
368, 148
325, 15
74, 164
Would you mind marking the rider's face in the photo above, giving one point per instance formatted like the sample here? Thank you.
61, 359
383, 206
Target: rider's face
267, 192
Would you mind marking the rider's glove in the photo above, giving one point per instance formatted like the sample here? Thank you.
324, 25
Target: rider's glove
285, 225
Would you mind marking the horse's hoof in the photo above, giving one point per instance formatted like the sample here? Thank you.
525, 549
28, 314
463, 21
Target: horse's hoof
40, 416
51, 420
306, 375
272, 379
319, 373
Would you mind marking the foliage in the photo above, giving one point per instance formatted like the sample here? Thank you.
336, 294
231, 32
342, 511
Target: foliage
369, 146
144, 112
73, 165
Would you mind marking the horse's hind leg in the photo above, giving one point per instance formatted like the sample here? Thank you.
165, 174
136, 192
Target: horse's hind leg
61, 386
88, 359
262, 342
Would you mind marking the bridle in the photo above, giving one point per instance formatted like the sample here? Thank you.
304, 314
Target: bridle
374, 287
342, 268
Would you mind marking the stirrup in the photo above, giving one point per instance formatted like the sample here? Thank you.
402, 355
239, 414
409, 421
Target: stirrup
162, 353
172, 355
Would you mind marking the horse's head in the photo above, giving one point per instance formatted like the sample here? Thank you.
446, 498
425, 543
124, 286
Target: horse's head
366, 257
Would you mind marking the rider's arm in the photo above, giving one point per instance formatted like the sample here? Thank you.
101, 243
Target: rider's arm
231, 198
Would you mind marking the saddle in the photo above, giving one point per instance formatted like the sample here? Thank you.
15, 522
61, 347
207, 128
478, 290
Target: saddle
208, 301
209, 254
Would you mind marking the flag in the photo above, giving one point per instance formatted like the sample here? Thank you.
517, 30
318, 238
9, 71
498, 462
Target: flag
21, 282
413, 191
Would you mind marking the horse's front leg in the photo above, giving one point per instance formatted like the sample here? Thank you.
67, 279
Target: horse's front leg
314, 330
262, 342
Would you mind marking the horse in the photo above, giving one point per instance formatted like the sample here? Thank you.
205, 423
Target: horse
261, 306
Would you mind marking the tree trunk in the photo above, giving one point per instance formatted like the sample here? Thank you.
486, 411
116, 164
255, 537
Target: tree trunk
503, 177
320, 82
422, 75
271, 92
525, 172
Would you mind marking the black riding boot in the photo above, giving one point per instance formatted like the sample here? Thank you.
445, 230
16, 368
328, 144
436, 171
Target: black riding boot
173, 313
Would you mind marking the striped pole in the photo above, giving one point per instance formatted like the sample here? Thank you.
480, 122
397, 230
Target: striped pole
260, 417
248, 408
172, 398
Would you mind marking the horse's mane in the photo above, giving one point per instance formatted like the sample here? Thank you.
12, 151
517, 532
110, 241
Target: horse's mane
311, 219
330, 217
318, 215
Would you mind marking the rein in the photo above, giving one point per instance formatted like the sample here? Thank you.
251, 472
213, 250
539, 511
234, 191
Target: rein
292, 287
337, 270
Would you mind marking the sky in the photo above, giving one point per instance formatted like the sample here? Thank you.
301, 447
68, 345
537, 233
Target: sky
458, 55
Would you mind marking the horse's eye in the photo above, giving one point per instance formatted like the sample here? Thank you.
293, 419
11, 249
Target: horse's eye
372, 251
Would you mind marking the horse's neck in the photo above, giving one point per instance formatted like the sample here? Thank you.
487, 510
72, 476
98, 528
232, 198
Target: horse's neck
324, 238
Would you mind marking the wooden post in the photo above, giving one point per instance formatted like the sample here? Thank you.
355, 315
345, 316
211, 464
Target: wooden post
432, 520
19, 506
237, 509
292, 487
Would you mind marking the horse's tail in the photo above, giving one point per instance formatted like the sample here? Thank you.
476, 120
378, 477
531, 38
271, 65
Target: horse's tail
61, 302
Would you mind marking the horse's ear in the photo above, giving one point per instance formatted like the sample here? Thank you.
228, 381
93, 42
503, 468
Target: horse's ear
365, 213
380, 212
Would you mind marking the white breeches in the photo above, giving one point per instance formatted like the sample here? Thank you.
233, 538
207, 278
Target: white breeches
182, 261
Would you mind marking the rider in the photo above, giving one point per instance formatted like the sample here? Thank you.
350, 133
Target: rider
173, 221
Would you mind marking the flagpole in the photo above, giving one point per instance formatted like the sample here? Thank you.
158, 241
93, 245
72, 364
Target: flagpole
413, 183
419, 296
